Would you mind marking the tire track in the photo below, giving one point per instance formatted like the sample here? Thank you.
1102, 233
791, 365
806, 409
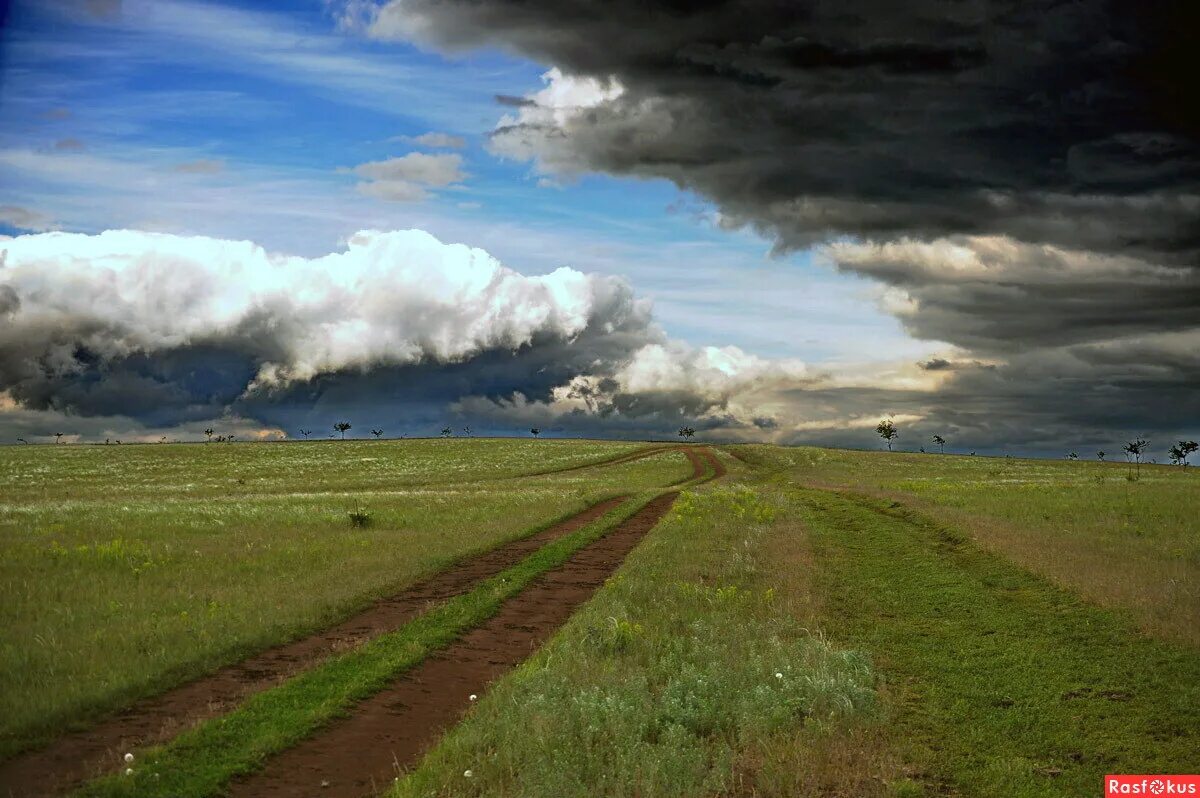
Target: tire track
77, 756
360, 755
390, 731
69, 760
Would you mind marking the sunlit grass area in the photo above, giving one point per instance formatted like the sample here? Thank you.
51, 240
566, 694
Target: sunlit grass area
125, 570
1130, 544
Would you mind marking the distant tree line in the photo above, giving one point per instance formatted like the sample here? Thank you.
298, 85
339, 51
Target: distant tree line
1135, 450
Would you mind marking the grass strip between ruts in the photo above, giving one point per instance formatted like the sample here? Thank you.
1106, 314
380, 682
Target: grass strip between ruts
201, 761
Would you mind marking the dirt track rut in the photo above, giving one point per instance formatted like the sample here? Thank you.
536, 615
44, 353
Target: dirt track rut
359, 755
387, 733
77, 756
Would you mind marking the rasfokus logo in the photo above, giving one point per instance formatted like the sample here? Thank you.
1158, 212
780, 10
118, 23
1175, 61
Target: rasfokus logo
1151, 785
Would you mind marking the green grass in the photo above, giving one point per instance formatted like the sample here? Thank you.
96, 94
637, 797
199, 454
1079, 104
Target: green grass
992, 679
666, 681
201, 761
1125, 544
124, 570
217, 470
999, 683
941, 626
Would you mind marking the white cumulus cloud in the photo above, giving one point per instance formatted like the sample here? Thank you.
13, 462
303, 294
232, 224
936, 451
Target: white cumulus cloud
539, 129
388, 298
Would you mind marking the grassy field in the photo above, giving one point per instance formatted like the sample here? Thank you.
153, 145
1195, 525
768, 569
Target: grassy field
998, 682
124, 570
202, 761
819, 622
1127, 544
910, 660
685, 676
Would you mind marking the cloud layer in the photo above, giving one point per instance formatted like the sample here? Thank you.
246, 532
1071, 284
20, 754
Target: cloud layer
399, 330
171, 327
1057, 122
997, 295
408, 178
404, 332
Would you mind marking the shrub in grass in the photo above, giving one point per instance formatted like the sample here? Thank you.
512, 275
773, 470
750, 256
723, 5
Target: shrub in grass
359, 518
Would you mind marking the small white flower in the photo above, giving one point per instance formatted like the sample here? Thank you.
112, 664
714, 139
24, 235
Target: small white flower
778, 675
468, 774
129, 757
128, 771
472, 697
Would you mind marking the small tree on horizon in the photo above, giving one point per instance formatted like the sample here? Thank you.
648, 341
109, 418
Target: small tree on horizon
58, 437
941, 443
378, 433
306, 433
686, 432
208, 433
447, 432
535, 432
1133, 452
1180, 452
1072, 456
341, 427
887, 430
1100, 455
467, 431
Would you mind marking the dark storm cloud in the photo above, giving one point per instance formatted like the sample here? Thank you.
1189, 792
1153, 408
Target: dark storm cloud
996, 295
418, 396
1022, 178
1078, 398
1063, 122
512, 102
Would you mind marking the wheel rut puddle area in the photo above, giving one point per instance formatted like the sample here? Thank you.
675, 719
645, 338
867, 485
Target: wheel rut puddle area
362, 753
75, 757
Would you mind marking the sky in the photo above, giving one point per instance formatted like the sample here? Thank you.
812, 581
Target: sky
767, 221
